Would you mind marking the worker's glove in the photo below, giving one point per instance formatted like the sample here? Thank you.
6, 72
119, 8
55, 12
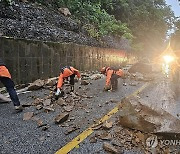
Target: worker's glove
59, 93
106, 88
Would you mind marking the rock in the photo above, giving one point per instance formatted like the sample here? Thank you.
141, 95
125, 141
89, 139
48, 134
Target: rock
70, 130
133, 84
93, 139
141, 68
61, 102
132, 119
39, 107
96, 76
68, 108
27, 105
39, 123
140, 136
124, 84
42, 138
36, 85
47, 108
110, 148
51, 82
28, 115
73, 95
107, 125
139, 77
47, 102
61, 118
37, 101
96, 126
99, 105
65, 11
84, 82
105, 136
44, 128
4, 99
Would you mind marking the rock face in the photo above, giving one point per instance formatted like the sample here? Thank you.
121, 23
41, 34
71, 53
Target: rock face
33, 21
37, 22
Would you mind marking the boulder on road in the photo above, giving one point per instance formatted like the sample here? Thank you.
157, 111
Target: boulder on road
36, 85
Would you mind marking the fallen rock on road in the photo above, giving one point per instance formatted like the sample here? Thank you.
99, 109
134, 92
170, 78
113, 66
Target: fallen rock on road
61, 118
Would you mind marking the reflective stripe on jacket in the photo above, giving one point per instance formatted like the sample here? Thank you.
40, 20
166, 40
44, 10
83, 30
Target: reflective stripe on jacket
66, 73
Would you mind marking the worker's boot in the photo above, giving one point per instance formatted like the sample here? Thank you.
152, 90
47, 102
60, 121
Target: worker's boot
72, 88
18, 108
114, 85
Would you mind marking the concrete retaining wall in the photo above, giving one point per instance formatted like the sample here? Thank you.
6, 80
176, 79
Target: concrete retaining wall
29, 60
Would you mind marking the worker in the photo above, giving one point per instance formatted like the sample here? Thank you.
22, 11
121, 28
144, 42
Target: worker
112, 76
5, 78
67, 73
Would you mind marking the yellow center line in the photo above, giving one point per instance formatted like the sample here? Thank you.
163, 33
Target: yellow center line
72, 144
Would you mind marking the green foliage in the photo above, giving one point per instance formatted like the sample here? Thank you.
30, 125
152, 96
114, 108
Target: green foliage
148, 20
175, 38
97, 21
8, 2
145, 22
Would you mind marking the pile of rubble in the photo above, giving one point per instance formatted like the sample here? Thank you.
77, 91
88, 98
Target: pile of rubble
65, 104
137, 127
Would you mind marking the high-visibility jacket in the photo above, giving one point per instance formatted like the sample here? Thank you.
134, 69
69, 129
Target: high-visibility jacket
66, 73
109, 72
4, 72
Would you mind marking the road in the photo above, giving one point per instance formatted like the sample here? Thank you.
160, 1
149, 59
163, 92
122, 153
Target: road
20, 136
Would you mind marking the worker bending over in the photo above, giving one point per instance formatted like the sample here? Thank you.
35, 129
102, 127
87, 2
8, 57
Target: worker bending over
112, 76
5, 78
67, 73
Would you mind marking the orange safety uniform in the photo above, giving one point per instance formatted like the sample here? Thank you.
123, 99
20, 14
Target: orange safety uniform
66, 73
109, 72
4, 72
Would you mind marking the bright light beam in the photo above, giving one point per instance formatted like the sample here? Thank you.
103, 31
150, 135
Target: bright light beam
168, 58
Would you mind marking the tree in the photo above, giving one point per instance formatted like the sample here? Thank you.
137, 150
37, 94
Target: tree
175, 38
148, 20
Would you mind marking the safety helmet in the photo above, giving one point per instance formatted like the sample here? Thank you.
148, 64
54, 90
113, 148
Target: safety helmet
103, 70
